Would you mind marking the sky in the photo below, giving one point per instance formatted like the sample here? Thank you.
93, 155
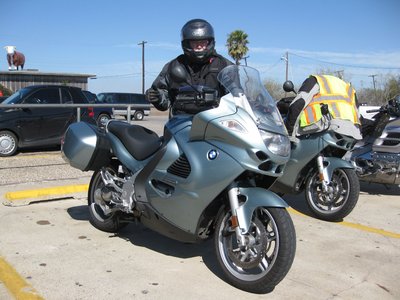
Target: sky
357, 37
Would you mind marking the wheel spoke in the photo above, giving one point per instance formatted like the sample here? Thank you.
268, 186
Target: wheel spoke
263, 266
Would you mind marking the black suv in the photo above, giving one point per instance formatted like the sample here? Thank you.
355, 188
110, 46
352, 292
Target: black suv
138, 113
38, 125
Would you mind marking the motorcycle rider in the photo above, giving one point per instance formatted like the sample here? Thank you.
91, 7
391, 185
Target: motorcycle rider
200, 60
305, 113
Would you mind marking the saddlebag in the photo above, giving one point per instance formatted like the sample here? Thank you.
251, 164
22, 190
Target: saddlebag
85, 147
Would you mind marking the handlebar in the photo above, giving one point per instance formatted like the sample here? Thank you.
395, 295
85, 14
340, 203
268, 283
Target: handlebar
373, 110
390, 109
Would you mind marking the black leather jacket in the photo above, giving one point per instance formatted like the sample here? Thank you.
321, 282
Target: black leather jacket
200, 74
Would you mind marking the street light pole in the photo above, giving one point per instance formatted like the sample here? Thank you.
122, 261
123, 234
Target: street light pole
143, 74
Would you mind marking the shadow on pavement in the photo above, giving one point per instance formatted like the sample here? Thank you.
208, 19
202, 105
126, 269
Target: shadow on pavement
79, 213
34, 150
141, 236
379, 189
299, 203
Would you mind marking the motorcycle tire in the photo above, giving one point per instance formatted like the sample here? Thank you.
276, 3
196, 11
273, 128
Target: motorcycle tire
265, 261
340, 201
110, 222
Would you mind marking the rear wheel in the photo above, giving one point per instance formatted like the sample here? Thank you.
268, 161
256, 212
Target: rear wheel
101, 212
339, 200
8, 143
265, 260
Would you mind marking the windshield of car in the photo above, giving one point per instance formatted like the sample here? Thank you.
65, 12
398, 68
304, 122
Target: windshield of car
92, 98
17, 96
248, 92
101, 98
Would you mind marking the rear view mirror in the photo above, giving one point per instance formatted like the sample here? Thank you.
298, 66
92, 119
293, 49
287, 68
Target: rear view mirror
288, 86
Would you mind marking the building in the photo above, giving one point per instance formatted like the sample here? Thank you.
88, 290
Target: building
15, 80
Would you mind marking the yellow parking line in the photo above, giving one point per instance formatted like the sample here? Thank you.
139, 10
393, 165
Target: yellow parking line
357, 226
16, 285
371, 229
68, 189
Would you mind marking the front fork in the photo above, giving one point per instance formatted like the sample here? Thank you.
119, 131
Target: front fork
323, 173
252, 198
233, 194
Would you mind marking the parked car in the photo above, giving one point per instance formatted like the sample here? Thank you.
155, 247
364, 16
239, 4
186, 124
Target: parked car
101, 114
137, 113
38, 125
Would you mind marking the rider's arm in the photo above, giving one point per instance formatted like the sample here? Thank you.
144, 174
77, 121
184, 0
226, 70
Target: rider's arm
161, 85
306, 92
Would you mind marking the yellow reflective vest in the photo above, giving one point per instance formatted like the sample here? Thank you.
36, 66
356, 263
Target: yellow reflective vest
338, 95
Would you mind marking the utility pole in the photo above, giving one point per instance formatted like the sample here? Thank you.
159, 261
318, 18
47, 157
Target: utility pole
373, 80
339, 73
286, 59
143, 75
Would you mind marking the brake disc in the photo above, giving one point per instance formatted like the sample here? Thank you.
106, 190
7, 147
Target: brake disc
250, 255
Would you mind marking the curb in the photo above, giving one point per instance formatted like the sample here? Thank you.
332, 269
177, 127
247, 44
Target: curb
25, 197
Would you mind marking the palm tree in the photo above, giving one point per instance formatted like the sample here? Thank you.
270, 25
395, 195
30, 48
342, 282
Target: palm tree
237, 45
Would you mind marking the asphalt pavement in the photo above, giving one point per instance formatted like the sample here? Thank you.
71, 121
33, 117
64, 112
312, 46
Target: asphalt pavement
49, 250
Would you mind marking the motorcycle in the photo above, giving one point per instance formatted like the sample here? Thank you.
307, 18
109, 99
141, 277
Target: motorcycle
204, 178
317, 167
377, 157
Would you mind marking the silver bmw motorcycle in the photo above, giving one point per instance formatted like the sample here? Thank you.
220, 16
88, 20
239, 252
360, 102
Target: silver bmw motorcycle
317, 166
205, 177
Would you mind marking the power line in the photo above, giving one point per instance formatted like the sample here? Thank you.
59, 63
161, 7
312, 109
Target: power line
345, 65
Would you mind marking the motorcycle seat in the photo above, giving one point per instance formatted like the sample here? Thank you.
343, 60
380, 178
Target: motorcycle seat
140, 142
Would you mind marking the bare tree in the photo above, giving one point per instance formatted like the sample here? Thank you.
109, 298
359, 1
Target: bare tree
338, 73
275, 89
388, 88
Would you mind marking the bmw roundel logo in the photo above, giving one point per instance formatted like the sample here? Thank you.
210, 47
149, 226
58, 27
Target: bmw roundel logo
212, 154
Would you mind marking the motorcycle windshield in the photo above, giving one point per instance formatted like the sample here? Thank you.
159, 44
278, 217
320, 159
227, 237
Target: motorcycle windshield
248, 92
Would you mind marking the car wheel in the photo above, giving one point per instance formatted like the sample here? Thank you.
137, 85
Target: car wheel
8, 143
102, 120
139, 115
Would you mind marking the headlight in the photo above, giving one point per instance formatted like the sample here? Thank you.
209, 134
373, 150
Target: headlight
276, 143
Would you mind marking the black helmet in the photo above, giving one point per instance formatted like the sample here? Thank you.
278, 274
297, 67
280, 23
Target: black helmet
197, 29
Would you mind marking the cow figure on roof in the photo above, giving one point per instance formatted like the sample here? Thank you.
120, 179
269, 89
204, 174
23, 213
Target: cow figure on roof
15, 59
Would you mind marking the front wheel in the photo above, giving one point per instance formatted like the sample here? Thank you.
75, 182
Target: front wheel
339, 199
271, 245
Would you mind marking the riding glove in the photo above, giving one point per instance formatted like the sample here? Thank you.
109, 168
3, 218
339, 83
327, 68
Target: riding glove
153, 96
